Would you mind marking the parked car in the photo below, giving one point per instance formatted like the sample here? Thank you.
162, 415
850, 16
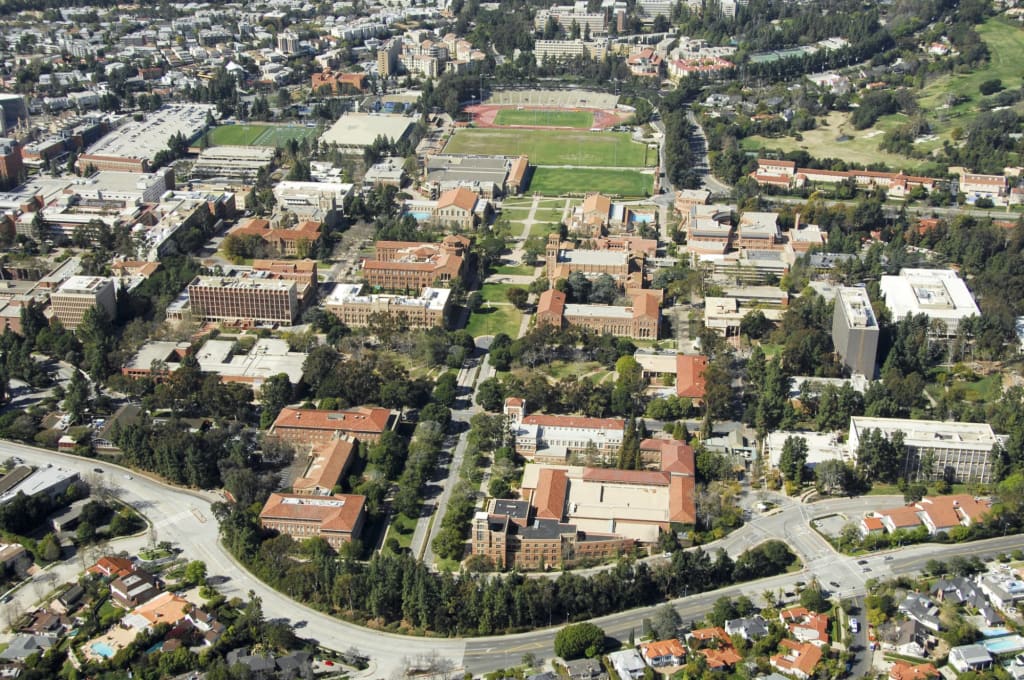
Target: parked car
854, 625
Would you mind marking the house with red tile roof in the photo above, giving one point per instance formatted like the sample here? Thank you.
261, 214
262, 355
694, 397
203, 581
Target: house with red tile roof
805, 625
901, 670
799, 659
690, 376
111, 566
661, 653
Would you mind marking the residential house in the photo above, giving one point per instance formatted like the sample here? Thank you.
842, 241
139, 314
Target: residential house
25, 645
14, 559
749, 628
970, 658
585, 669
111, 566
716, 646
805, 625
908, 638
628, 664
662, 653
1003, 591
68, 600
167, 607
799, 660
901, 670
921, 609
960, 590
134, 589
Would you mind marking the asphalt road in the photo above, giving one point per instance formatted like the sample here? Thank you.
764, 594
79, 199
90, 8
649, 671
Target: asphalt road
184, 517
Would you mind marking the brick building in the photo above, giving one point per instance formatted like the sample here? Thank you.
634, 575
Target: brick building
642, 320
293, 242
408, 266
312, 427
337, 519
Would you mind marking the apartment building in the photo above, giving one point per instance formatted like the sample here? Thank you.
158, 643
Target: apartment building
642, 320
245, 299
411, 266
561, 50
975, 186
934, 448
314, 427
855, 330
80, 293
337, 519
356, 309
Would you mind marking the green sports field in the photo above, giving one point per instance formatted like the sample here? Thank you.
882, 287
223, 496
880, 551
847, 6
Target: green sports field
558, 181
555, 147
258, 135
567, 119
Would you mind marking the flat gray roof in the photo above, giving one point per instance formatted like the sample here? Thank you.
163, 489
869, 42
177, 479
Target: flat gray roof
360, 129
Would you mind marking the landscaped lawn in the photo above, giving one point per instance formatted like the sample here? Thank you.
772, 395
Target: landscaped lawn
555, 147
402, 529
551, 214
982, 390
514, 270
542, 229
258, 135
543, 117
560, 181
496, 292
493, 320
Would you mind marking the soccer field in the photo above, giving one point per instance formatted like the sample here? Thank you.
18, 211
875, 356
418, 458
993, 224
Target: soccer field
258, 135
559, 181
548, 118
555, 147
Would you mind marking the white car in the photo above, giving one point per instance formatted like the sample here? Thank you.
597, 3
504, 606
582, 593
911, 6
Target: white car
855, 625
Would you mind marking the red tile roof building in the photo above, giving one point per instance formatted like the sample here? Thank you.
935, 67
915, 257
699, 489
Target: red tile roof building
799, 660
690, 376
410, 266
901, 670
337, 519
293, 242
309, 427
327, 466
640, 321
805, 625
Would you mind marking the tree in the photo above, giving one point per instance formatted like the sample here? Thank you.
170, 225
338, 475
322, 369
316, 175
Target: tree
517, 296
275, 394
76, 399
490, 395
754, 325
665, 622
812, 599
793, 459
195, 573
579, 639
446, 389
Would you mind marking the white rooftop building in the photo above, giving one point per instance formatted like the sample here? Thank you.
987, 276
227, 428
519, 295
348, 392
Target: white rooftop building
938, 293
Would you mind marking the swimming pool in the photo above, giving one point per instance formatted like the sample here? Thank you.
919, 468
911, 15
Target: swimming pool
419, 216
994, 632
103, 649
642, 218
1008, 644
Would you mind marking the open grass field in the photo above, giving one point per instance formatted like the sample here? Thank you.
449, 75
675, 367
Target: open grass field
822, 142
545, 118
1006, 53
514, 270
559, 181
493, 320
496, 292
1006, 49
258, 135
542, 229
555, 147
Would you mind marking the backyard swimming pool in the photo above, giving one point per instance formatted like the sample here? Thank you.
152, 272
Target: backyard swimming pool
103, 649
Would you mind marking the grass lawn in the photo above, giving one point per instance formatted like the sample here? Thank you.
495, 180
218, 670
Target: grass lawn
555, 147
569, 119
982, 390
496, 292
494, 320
541, 229
258, 135
822, 142
514, 270
553, 214
524, 202
558, 181
561, 369
402, 529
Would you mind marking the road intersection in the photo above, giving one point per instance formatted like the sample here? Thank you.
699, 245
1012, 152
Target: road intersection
185, 517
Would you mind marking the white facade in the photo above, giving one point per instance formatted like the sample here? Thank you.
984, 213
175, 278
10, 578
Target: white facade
938, 293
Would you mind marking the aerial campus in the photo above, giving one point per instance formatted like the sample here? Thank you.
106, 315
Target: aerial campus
596, 341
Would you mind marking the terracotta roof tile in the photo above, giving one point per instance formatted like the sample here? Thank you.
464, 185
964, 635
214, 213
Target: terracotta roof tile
339, 512
362, 419
549, 498
690, 375
613, 476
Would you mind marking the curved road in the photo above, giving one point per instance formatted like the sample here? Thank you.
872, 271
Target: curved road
184, 517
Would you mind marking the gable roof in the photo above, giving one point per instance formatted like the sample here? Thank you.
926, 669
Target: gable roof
327, 467
801, 657
339, 512
676, 456
682, 506
551, 302
901, 670
670, 647
461, 198
690, 375
371, 420
549, 498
